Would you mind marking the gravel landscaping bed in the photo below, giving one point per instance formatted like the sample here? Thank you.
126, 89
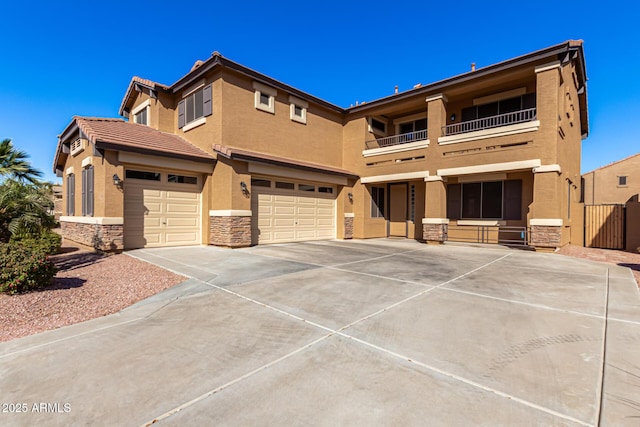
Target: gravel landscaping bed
625, 259
87, 286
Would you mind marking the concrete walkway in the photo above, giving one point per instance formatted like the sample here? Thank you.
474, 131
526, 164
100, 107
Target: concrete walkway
376, 332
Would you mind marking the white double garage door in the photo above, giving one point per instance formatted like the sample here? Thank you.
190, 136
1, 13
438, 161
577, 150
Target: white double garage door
286, 211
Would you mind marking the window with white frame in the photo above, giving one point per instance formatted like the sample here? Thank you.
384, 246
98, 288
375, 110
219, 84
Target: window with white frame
298, 110
265, 97
195, 107
141, 113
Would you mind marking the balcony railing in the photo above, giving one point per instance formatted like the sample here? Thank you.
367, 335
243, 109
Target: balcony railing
490, 122
405, 138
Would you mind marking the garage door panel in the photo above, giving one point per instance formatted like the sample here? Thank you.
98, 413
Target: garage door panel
189, 222
325, 222
151, 221
279, 198
325, 234
176, 238
302, 210
178, 195
282, 235
283, 210
283, 222
173, 207
306, 222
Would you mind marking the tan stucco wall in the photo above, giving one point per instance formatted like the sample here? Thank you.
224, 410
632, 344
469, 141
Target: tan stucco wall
633, 227
601, 185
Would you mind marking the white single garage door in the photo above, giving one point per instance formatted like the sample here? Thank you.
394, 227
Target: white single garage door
287, 211
161, 209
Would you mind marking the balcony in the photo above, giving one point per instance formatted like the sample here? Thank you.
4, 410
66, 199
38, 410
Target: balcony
516, 117
389, 141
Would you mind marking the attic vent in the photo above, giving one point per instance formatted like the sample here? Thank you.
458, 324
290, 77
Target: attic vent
197, 64
77, 146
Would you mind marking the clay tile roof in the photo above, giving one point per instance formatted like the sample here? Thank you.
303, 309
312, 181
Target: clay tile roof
117, 134
236, 153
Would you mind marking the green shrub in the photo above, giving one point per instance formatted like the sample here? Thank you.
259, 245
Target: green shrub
48, 242
24, 269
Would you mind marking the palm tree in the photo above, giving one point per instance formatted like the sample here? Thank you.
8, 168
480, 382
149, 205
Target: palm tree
24, 210
14, 164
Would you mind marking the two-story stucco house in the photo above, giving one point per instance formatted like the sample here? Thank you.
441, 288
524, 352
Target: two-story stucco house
229, 156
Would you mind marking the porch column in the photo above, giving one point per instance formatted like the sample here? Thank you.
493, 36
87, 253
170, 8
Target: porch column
436, 116
435, 225
545, 220
230, 205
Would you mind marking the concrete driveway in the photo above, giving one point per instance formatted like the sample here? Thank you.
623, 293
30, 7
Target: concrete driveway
377, 332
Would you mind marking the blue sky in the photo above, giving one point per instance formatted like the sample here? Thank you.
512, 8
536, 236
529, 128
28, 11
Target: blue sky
66, 58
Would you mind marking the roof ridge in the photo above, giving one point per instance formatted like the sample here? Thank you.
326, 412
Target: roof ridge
612, 163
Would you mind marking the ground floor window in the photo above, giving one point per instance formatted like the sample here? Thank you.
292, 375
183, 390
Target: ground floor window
485, 200
87, 191
71, 194
377, 202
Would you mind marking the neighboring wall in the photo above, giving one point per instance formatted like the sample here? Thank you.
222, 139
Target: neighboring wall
602, 186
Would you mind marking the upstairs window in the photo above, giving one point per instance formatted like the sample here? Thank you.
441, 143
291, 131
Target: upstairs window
194, 108
413, 126
622, 181
298, 110
141, 117
504, 106
377, 126
141, 113
265, 98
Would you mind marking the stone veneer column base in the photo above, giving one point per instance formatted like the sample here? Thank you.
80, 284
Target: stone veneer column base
435, 233
545, 237
102, 237
348, 226
230, 231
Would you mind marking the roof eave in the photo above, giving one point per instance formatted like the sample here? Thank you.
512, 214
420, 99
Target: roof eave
105, 145
461, 78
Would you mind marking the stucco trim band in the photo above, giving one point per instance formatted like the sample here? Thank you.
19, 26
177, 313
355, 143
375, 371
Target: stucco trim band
349, 215
525, 127
100, 220
550, 222
395, 177
435, 220
396, 148
547, 168
491, 167
230, 212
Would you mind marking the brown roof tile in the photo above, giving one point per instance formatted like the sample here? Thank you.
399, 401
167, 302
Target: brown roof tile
281, 161
120, 135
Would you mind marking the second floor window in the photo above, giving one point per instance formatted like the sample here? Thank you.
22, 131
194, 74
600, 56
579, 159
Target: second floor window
504, 106
196, 105
141, 117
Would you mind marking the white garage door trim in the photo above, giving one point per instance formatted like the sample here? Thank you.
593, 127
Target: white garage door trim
161, 213
293, 215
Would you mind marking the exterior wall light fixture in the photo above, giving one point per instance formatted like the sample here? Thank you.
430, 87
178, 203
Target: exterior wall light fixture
350, 196
116, 180
243, 187
453, 117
